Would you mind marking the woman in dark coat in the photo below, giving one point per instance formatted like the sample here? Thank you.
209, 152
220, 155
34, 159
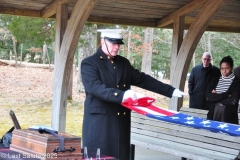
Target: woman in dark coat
107, 78
224, 93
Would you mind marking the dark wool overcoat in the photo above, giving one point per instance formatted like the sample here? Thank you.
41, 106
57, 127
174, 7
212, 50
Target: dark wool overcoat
106, 123
231, 102
197, 84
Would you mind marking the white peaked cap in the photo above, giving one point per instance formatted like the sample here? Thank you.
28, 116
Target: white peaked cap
112, 33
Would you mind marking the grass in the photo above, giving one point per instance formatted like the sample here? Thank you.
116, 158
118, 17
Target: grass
33, 114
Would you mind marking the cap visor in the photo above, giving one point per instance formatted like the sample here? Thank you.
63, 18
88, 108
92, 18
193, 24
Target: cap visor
114, 41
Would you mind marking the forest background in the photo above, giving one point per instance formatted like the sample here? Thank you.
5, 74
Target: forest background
28, 91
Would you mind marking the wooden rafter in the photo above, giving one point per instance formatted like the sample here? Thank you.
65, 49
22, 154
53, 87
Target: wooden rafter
51, 9
189, 44
96, 19
180, 12
225, 25
21, 12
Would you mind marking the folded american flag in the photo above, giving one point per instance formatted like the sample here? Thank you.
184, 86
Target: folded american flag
145, 107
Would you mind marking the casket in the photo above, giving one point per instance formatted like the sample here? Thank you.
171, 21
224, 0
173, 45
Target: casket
33, 144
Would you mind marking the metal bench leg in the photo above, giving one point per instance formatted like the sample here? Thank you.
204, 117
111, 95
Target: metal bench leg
132, 152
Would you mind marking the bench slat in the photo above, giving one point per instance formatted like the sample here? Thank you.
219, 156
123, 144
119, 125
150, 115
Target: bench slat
137, 118
182, 140
181, 150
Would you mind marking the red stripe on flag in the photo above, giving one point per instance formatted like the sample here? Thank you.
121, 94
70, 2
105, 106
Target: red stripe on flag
147, 103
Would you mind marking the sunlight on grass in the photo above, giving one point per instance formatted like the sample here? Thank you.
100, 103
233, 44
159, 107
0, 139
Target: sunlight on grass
33, 114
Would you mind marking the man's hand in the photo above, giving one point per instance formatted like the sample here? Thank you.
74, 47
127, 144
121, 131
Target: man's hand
178, 93
214, 91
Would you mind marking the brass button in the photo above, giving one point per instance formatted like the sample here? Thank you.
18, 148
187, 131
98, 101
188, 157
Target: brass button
124, 113
118, 113
101, 57
114, 67
124, 85
108, 57
111, 61
117, 86
116, 94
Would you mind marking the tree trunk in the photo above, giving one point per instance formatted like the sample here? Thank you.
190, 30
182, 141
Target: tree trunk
70, 86
147, 55
209, 45
15, 52
129, 45
21, 55
10, 57
87, 48
80, 87
44, 53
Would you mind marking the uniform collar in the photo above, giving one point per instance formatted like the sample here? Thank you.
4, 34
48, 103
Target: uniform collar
103, 56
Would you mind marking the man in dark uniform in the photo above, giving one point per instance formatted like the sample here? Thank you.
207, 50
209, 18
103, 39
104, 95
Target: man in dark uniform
198, 81
107, 78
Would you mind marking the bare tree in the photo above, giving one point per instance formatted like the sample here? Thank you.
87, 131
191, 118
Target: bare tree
147, 55
44, 53
129, 44
85, 49
21, 55
15, 51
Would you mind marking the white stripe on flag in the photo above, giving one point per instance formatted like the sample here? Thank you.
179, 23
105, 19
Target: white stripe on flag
150, 111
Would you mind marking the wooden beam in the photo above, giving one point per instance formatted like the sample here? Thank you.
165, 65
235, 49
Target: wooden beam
59, 113
219, 25
189, 44
180, 12
94, 19
178, 31
64, 61
20, 12
50, 10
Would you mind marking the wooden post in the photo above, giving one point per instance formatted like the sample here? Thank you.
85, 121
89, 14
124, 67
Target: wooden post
189, 44
58, 112
64, 61
178, 29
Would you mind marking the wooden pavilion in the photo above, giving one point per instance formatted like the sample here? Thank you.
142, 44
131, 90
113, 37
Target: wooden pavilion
197, 16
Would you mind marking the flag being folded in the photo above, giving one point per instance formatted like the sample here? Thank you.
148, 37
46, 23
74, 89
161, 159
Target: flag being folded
145, 107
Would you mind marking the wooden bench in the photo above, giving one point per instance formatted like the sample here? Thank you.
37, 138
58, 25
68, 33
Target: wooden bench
182, 141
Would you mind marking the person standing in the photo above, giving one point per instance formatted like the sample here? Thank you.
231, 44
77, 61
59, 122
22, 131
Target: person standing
200, 77
107, 78
224, 93
237, 74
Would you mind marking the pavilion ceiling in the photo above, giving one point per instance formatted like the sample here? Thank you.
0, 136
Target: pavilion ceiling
148, 13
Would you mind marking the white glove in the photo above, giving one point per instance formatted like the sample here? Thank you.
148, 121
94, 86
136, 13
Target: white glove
178, 93
132, 94
139, 95
129, 94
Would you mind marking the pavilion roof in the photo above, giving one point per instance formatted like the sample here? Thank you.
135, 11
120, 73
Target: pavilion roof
148, 13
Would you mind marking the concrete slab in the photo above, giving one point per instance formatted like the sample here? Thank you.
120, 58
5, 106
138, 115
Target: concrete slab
147, 154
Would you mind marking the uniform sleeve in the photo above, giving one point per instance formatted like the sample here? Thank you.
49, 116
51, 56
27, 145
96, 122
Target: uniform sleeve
94, 87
